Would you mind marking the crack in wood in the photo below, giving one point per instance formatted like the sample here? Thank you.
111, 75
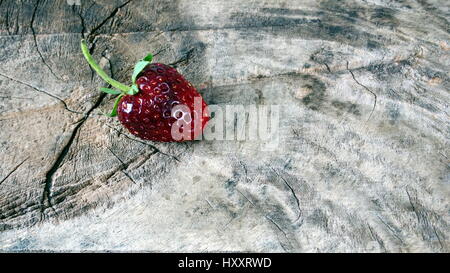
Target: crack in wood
160, 51
413, 206
368, 90
377, 238
297, 201
124, 166
13, 170
6, 20
297, 73
185, 59
46, 195
33, 16
269, 219
282, 231
66, 107
438, 237
142, 142
422, 219
391, 229
91, 35
79, 13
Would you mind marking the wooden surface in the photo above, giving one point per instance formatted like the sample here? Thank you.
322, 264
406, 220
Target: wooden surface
363, 159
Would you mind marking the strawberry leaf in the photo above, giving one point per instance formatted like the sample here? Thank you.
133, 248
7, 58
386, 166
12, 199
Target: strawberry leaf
137, 69
148, 58
116, 105
110, 91
133, 90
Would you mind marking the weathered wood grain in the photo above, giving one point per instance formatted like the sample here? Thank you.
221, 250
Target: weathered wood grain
363, 158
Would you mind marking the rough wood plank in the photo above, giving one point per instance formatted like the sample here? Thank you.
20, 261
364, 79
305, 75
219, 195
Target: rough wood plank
363, 160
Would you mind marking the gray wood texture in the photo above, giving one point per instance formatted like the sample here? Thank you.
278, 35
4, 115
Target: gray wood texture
363, 160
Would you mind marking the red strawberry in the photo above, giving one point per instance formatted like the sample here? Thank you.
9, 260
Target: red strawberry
148, 114
161, 105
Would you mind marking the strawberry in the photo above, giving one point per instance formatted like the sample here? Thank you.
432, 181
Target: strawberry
161, 105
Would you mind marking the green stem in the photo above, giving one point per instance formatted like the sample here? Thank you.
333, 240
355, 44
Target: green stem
100, 71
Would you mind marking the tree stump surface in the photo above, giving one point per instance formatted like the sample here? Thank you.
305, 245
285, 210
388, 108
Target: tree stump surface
362, 162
